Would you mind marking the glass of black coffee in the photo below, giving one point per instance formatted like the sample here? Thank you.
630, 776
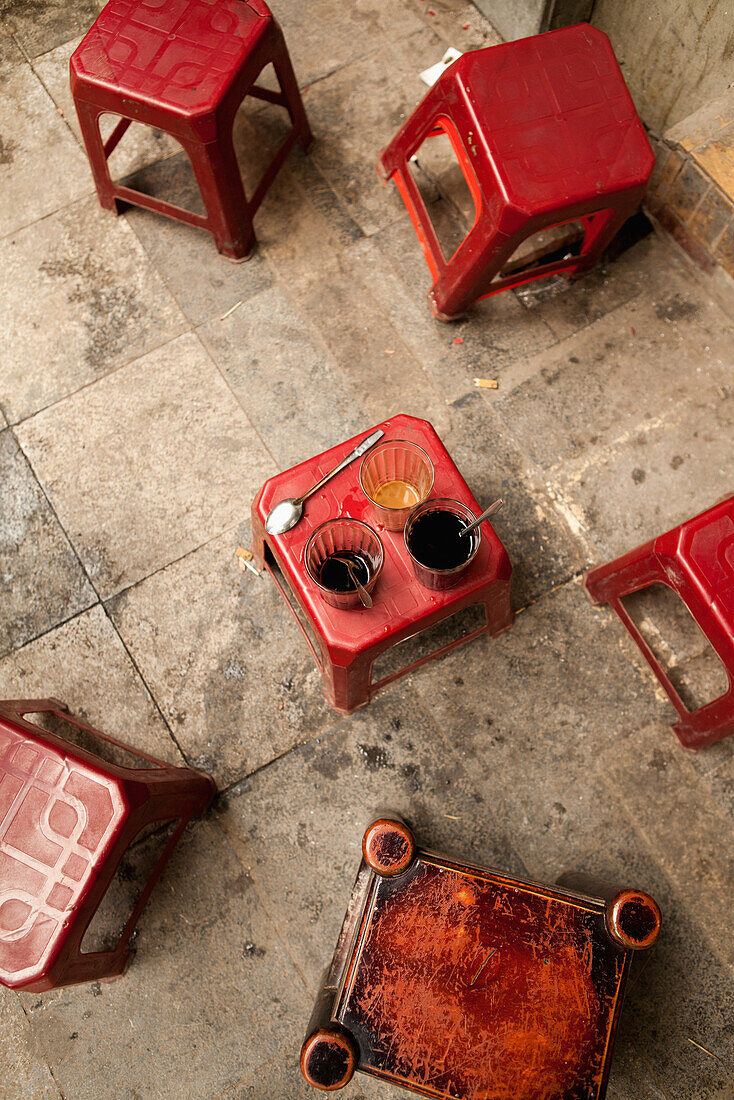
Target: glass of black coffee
434, 538
339, 552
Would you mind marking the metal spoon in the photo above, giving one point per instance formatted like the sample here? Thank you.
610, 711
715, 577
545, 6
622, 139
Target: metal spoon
286, 513
363, 593
480, 519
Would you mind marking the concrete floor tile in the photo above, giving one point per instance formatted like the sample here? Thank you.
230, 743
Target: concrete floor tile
84, 664
205, 283
302, 226
498, 332
303, 853
629, 372
327, 34
285, 377
77, 298
679, 994
141, 144
457, 22
405, 308
529, 713
40, 26
574, 305
10, 54
166, 460
24, 1072
548, 748
541, 547
224, 660
210, 994
649, 772
666, 623
369, 352
43, 580
356, 110
42, 167
654, 478
283, 1079
630, 1076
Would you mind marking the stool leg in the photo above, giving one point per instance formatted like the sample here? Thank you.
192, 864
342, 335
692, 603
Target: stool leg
709, 723
88, 116
639, 568
600, 229
220, 183
291, 92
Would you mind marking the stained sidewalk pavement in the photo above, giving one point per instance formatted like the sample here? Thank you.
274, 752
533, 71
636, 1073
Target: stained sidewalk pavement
148, 387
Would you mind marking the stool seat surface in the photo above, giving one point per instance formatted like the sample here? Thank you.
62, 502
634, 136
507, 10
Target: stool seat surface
181, 55
400, 601
554, 116
58, 819
468, 984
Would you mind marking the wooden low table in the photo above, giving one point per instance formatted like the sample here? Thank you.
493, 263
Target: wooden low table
455, 981
346, 644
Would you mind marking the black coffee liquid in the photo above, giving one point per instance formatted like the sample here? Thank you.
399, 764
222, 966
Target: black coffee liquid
435, 540
334, 573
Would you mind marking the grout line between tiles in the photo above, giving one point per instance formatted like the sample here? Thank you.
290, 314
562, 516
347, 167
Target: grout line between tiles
268, 916
99, 601
100, 378
246, 415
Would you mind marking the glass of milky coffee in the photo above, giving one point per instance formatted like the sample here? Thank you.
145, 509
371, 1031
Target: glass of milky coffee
395, 476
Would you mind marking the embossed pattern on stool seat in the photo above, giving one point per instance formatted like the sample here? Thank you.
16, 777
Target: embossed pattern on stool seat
58, 818
181, 54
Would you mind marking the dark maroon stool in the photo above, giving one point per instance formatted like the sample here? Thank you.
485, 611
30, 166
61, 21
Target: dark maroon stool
695, 560
454, 981
185, 66
67, 817
545, 133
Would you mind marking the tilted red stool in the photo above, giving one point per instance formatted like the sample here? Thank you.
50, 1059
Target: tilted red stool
454, 981
545, 133
696, 560
346, 644
67, 818
185, 66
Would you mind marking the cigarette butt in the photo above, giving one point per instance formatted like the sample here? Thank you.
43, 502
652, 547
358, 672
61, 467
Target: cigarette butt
234, 307
486, 383
244, 558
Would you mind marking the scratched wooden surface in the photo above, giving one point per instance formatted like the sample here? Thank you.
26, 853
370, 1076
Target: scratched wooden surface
469, 986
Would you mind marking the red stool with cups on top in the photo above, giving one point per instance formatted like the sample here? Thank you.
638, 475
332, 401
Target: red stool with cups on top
545, 133
67, 817
347, 643
185, 66
695, 560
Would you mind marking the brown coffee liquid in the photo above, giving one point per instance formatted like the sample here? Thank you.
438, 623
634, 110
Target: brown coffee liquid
334, 572
435, 540
397, 494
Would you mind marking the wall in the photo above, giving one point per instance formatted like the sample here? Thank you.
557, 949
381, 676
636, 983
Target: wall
676, 54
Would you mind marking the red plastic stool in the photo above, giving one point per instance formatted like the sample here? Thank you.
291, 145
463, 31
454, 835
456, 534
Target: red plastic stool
545, 133
696, 560
185, 66
455, 981
346, 644
66, 820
